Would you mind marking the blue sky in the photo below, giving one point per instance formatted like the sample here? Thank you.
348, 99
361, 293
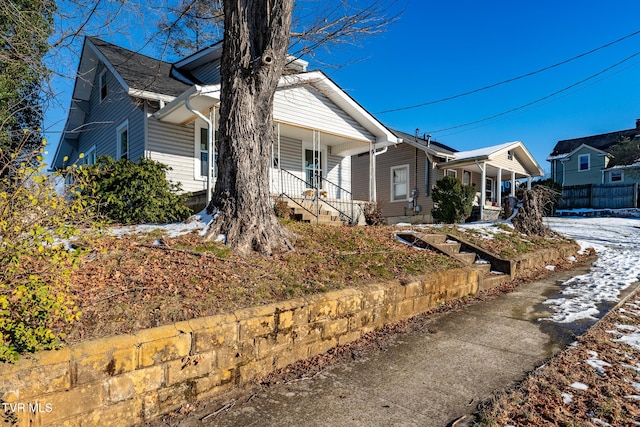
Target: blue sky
440, 49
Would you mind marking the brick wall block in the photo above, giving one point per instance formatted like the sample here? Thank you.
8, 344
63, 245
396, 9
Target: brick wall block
134, 383
256, 326
320, 310
214, 335
100, 366
36, 381
188, 367
110, 416
333, 328
164, 349
350, 303
414, 289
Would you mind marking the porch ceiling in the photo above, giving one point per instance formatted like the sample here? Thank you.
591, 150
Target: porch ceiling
492, 169
340, 145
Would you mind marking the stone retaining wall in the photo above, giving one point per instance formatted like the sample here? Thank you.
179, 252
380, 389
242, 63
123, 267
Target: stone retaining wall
127, 379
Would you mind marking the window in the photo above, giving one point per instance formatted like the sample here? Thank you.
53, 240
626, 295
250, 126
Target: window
616, 176
90, 156
103, 85
204, 151
399, 183
466, 178
452, 173
122, 134
488, 190
509, 155
203, 158
583, 162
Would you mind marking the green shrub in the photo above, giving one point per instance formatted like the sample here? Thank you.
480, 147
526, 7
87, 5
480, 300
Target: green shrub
35, 263
133, 193
452, 200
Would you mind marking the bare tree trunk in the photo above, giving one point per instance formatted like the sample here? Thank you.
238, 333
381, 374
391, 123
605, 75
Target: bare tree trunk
256, 37
528, 220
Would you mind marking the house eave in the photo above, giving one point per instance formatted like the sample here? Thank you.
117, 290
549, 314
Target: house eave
150, 96
201, 97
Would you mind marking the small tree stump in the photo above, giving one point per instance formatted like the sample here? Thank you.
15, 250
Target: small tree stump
528, 220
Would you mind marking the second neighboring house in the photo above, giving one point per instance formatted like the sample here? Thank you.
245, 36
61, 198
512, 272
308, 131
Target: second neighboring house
407, 172
128, 105
586, 160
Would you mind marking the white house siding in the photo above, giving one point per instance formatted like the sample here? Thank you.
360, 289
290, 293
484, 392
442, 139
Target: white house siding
103, 118
339, 173
174, 145
304, 106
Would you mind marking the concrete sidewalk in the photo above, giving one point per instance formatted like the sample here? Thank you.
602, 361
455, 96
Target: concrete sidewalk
429, 377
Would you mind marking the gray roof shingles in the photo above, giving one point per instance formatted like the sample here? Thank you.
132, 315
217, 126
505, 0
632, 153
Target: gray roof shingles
140, 71
408, 137
602, 142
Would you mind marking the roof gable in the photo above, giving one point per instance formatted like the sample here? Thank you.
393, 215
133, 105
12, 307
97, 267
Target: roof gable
602, 142
493, 154
140, 72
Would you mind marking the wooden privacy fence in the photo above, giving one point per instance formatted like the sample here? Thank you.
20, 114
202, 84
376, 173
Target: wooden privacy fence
600, 196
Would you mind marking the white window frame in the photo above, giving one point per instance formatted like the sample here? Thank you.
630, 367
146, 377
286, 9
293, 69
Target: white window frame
466, 174
124, 127
101, 85
394, 198
306, 145
90, 156
580, 157
616, 172
451, 172
200, 126
489, 188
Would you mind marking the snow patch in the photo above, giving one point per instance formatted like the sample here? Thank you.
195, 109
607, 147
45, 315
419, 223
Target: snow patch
617, 267
567, 398
579, 386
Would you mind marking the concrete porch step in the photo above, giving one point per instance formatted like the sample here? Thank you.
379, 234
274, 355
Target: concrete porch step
491, 280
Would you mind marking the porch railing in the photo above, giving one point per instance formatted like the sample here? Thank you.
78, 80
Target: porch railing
313, 198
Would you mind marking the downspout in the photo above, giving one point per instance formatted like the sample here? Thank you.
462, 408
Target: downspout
373, 194
209, 144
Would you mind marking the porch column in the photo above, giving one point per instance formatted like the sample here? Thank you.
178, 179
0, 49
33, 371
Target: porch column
513, 184
483, 189
499, 187
529, 179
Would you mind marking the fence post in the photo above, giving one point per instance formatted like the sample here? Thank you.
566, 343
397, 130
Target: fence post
590, 196
635, 195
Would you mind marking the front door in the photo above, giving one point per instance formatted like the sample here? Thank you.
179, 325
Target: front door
313, 168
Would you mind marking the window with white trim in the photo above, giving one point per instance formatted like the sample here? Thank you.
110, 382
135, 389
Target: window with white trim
466, 178
488, 189
452, 173
584, 162
616, 176
202, 155
90, 156
399, 183
122, 141
103, 85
